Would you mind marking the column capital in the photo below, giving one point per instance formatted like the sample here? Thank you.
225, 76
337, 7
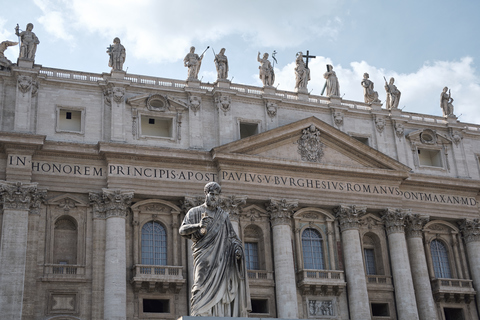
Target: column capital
21, 196
414, 224
470, 230
280, 211
233, 205
348, 215
111, 203
191, 202
394, 220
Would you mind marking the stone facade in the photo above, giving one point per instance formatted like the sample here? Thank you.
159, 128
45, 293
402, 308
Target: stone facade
348, 210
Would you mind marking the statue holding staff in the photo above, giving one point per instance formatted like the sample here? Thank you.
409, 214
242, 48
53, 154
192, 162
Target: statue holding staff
393, 94
117, 55
266, 72
221, 63
193, 62
28, 42
446, 103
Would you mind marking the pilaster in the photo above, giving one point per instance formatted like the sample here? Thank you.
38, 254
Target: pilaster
404, 292
281, 212
113, 205
471, 235
347, 216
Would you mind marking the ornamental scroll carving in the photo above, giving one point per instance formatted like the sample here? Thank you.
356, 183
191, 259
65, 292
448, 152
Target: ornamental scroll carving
223, 102
233, 205
348, 215
470, 230
111, 203
414, 224
394, 220
281, 211
310, 147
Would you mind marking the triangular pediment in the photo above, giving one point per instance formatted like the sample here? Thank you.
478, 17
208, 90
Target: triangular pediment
310, 143
67, 201
157, 102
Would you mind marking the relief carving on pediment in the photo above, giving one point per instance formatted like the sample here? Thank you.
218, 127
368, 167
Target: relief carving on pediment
310, 147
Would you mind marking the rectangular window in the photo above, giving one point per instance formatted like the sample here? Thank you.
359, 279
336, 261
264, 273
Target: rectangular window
251, 255
248, 129
431, 158
156, 306
69, 120
380, 310
156, 127
370, 261
259, 305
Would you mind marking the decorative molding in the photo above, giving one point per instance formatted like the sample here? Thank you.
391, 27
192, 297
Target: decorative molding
118, 94
233, 205
338, 118
24, 84
470, 230
21, 196
281, 211
194, 103
380, 123
320, 308
310, 147
222, 102
157, 102
394, 220
414, 224
399, 130
348, 215
111, 203
370, 223
271, 108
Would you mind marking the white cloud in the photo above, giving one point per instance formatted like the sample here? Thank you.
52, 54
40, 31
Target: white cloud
420, 90
54, 20
12, 52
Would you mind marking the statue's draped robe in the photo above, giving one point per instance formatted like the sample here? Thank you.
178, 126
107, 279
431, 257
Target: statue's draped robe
220, 287
333, 87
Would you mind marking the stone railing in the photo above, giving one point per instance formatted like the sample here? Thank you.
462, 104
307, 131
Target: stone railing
378, 279
64, 269
260, 275
321, 274
67, 74
164, 272
452, 285
326, 282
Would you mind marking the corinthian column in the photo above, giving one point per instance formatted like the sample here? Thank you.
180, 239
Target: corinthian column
354, 268
113, 205
404, 293
418, 263
280, 212
17, 199
471, 235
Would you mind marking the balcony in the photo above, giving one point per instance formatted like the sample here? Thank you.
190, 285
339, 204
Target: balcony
324, 282
453, 290
64, 272
157, 278
379, 282
260, 278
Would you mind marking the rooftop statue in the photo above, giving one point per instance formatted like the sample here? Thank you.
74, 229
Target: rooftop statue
29, 42
220, 284
117, 55
267, 74
393, 94
333, 87
4, 62
193, 62
302, 73
446, 103
369, 94
221, 62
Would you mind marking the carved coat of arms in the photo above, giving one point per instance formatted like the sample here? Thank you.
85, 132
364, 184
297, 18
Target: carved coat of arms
310, 147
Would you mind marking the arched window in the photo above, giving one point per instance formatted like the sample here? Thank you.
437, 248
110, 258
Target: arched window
154, 244
312, 246
441, 265
65, 241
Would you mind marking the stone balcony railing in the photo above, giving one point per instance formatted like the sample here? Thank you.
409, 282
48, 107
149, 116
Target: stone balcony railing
379, 279
63, 272
327, 282
260, 278
157, 278
453, 290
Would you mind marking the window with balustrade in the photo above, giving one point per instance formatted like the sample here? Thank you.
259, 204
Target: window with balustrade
312, 249
440, 261
65, 241
372, 254
154, 244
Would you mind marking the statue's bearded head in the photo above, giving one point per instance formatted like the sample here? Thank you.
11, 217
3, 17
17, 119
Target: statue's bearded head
212, 191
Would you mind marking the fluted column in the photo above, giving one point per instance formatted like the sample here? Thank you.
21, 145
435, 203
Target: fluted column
280, 212
418, 264
404, 293
354, 268
17, 200
471, 235
113, 205
233, 205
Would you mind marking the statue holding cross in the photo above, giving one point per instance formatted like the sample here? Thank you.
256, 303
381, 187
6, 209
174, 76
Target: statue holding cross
302, 73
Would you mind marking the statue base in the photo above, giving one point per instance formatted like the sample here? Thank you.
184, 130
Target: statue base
193, 83
376, 105
269, 90
25, 63
118, 74
222, 83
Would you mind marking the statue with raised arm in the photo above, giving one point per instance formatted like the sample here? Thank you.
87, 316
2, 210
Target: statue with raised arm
117, 55
28, 42
369, 94
302, 73
266, 74
193, 62
333, 87
4, 62
221, 62
393, 95
220, 283
446, 103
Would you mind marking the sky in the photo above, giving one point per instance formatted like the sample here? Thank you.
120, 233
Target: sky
425, 45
